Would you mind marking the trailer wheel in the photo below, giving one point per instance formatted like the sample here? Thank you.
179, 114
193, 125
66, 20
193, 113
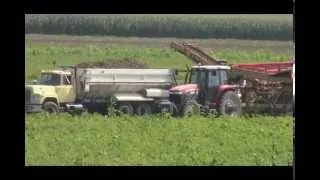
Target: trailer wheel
50, 107
165, 106
190, 108
126, 108
230, 104
143, 109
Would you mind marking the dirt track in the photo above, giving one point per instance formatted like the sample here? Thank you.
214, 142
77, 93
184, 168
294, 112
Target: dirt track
275, 46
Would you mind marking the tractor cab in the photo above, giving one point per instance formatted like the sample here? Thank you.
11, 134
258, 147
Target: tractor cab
208, 79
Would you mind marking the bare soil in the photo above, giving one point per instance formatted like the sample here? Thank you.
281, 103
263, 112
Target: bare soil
216, 44
114, 63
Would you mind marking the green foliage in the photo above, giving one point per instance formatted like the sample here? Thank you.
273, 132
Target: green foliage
260, 27
157, 140
40, 56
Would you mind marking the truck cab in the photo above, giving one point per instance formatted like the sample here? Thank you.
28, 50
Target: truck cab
53, 90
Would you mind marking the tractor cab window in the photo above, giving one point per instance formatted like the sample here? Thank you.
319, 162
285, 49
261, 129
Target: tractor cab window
224, 77
67, 80
50, 79
213, 79
198, 76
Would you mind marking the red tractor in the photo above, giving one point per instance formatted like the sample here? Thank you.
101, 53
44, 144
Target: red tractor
207, 88
231, 89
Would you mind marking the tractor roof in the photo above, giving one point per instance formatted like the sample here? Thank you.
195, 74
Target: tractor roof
211, 67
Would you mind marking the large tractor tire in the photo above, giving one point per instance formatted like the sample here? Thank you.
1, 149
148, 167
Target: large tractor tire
50, 107
143, 109
230, 104
190, 108
126, 108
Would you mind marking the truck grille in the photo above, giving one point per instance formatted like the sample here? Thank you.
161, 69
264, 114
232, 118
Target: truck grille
176, 98
27, 96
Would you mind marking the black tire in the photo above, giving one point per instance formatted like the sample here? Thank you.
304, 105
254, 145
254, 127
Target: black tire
143, 109
190, 108
126, 108
230, 104
50, 107
165, 106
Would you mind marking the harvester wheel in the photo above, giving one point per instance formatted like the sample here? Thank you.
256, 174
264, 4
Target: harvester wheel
50, 107
285, 98
190, 108
126, 108
230, 104
143, 109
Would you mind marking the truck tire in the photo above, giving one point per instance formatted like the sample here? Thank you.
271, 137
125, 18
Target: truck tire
50, 107
163, 106
230, 104
143, 109
190, 108
126, 108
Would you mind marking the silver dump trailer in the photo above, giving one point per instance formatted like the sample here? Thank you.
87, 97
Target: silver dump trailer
133, 91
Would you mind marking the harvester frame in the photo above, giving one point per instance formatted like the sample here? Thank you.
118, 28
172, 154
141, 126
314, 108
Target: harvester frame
255, 88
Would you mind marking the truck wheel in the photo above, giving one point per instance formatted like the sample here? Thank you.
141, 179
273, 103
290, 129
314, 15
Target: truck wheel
230, 104
190, 108
126, 108
143, 109
50, 107
165, 106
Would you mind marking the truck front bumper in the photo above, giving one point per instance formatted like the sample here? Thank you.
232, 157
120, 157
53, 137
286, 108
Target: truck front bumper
33, 108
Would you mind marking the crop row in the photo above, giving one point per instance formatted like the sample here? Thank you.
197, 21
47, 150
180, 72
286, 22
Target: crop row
259, 27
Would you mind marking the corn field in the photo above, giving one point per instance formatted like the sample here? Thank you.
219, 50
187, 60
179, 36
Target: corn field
255, 27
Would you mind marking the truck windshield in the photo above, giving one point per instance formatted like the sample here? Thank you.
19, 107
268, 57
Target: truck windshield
50, 79
198, 76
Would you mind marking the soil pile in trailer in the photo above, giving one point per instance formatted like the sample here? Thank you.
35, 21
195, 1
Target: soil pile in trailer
114, 63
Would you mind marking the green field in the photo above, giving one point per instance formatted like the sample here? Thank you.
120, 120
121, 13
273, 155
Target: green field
250, 26
98, 140
41, 51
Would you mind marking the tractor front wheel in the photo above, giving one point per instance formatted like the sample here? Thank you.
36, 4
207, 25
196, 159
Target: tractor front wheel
190, 108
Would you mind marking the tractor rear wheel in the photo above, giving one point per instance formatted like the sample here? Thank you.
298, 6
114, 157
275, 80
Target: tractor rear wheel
230, 104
